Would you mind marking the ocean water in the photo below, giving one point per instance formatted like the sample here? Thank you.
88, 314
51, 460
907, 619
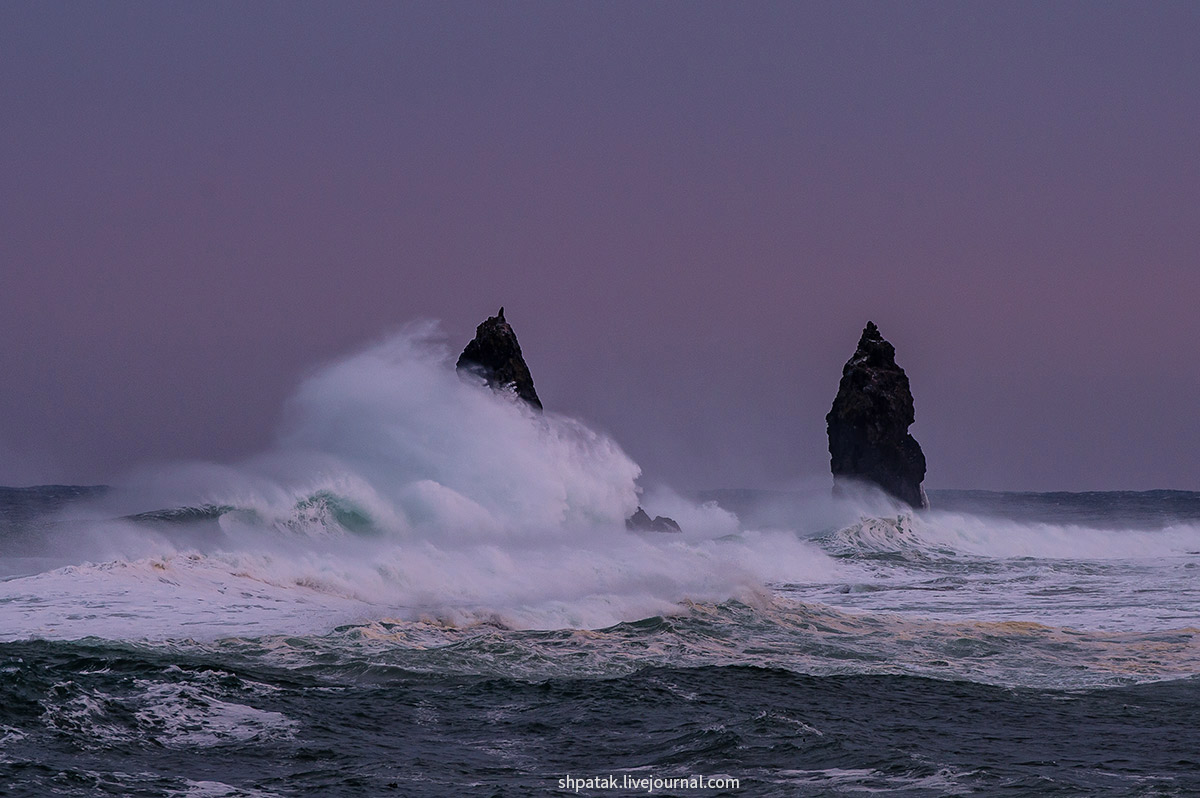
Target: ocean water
426, 589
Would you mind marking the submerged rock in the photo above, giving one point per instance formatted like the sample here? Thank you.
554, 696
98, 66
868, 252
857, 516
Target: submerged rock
868, 425
495, 355
641, 520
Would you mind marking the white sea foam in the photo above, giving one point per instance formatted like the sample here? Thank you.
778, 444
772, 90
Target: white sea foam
9, 734
399, 489
866, 781
187, 716
217, 789
610, 576
190, 714
953, 566
946, 534
993, 537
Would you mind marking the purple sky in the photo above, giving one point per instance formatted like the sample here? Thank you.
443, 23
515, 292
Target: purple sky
688, 210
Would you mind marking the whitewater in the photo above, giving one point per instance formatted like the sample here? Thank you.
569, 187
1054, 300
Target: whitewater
427, 588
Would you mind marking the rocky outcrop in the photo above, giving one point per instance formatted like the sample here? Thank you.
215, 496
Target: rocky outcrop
641, 520
495, 355
868, 425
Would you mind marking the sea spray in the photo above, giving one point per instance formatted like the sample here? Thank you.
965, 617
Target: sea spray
402, 418
399, 489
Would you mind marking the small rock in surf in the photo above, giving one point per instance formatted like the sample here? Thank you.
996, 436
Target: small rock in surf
641, 520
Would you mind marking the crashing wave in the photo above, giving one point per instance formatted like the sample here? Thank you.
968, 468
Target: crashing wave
891, 537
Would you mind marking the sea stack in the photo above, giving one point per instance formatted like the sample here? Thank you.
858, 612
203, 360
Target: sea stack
495, 355
868, 425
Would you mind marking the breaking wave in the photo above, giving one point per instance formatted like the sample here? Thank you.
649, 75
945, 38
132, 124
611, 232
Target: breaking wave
401, 494
397, 489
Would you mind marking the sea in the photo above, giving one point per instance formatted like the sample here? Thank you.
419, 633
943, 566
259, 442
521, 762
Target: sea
425, 588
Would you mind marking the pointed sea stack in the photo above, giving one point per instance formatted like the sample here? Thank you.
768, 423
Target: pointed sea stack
868, 425
495, 355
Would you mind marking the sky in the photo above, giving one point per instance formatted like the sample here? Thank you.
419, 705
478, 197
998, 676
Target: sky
689, 210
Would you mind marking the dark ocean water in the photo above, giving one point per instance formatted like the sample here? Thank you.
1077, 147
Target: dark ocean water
1006, 644
90, 718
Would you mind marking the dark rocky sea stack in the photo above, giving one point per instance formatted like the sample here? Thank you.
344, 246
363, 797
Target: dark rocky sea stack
495, 355
868, 425
641, 521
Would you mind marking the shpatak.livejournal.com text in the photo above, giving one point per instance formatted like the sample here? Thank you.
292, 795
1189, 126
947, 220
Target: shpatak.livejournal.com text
647, 784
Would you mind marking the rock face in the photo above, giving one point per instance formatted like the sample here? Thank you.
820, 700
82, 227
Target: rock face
868, 425
641, 520
495, 355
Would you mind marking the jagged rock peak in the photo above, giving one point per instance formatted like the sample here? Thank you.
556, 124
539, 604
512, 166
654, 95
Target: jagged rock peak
495, 355
868, 424
873, 351
641, 520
